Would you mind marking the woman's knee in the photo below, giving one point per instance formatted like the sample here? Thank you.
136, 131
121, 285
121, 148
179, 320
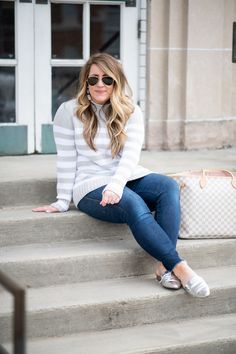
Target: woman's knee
133, 204
171, 192
172, 186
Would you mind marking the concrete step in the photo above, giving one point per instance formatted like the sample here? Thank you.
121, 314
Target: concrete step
19, 226
108, 304
27, 192
38, 265
208, 335
31, 180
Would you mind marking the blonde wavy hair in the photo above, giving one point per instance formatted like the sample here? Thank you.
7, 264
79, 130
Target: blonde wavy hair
118, 109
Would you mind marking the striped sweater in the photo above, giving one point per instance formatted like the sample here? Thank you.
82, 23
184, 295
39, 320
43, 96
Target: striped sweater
81, 169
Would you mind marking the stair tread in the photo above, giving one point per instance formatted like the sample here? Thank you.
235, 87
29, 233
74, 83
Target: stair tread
21, 226
47, 251
120, 289
25, 212
152, 338
94, 247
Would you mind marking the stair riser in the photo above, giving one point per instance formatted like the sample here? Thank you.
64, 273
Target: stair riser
73, 270
111, 265
58, 228
31, 192
124, 314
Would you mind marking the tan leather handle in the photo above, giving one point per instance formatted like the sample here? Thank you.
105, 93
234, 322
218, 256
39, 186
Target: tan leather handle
203, 179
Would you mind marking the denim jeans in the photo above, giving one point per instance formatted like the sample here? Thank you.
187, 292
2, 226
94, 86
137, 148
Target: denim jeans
156, 233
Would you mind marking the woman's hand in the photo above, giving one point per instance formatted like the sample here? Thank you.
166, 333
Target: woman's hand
46, 209
109, 197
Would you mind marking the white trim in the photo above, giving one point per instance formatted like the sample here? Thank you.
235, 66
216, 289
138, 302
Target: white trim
130, 47
10, 125
67, 62
8, 62
86, 31
43, 81
25, 69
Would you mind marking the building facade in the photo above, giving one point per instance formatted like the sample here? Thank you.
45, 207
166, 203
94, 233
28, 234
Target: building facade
177, 55
191, 97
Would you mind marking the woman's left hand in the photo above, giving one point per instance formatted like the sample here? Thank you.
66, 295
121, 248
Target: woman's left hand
109, 197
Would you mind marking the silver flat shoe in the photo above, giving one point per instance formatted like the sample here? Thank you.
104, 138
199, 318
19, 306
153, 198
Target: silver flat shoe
169, 281
197, 287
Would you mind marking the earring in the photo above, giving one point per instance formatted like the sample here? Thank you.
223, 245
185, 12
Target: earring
88, 94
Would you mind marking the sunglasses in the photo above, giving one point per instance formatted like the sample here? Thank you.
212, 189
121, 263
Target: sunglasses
107, 80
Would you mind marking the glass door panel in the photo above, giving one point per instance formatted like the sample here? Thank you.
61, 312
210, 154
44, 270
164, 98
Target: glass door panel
7, 30
67, 31
67, 45
64, 85
7, 62
105, 29
7, 95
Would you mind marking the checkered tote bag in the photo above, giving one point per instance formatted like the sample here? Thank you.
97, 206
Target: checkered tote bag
208, 203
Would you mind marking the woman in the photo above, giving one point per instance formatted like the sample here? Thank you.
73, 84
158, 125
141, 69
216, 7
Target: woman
99, 137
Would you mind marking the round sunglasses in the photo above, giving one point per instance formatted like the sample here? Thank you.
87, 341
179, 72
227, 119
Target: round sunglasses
107, 80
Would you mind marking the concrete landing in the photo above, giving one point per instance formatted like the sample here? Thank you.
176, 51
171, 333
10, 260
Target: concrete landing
44, 166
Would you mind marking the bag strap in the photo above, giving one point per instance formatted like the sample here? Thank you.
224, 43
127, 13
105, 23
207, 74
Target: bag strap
203, 176
203, 179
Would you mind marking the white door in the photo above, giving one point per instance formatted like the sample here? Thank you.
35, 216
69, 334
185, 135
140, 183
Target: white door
52, 40
66, 34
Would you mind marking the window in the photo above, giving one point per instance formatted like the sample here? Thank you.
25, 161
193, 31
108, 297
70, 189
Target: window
7, 64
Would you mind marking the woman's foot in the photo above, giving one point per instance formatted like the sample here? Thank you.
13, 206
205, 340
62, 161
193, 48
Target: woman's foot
192, 283
197, 287
167, 279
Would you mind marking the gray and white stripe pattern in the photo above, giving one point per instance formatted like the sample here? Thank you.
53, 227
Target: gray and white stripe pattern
81, 169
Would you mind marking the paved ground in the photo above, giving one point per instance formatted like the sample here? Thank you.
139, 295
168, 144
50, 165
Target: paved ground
44, 166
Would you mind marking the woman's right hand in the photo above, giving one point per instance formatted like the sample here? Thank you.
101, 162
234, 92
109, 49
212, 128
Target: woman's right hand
46, 209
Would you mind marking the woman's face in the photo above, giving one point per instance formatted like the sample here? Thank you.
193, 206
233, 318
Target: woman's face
100, 93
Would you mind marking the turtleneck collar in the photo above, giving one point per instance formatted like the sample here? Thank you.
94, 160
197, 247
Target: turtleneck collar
97, 105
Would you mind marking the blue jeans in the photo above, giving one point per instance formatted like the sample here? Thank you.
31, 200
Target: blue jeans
157, 234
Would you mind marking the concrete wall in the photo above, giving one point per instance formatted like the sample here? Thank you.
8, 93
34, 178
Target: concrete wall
192, 80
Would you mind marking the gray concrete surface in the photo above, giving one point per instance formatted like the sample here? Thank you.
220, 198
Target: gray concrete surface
215, 335
80, 269
39, 171
110, 258
117, 303
44, 166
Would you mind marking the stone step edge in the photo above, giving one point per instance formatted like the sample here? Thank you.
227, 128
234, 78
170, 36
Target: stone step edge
175, 337
119, 290
41, 265
93, 247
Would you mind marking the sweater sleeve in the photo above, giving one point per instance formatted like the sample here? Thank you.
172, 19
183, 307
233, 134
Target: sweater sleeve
64, 136
130, 154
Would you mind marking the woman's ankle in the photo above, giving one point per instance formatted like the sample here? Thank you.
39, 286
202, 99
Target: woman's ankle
160, 269
183, 272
